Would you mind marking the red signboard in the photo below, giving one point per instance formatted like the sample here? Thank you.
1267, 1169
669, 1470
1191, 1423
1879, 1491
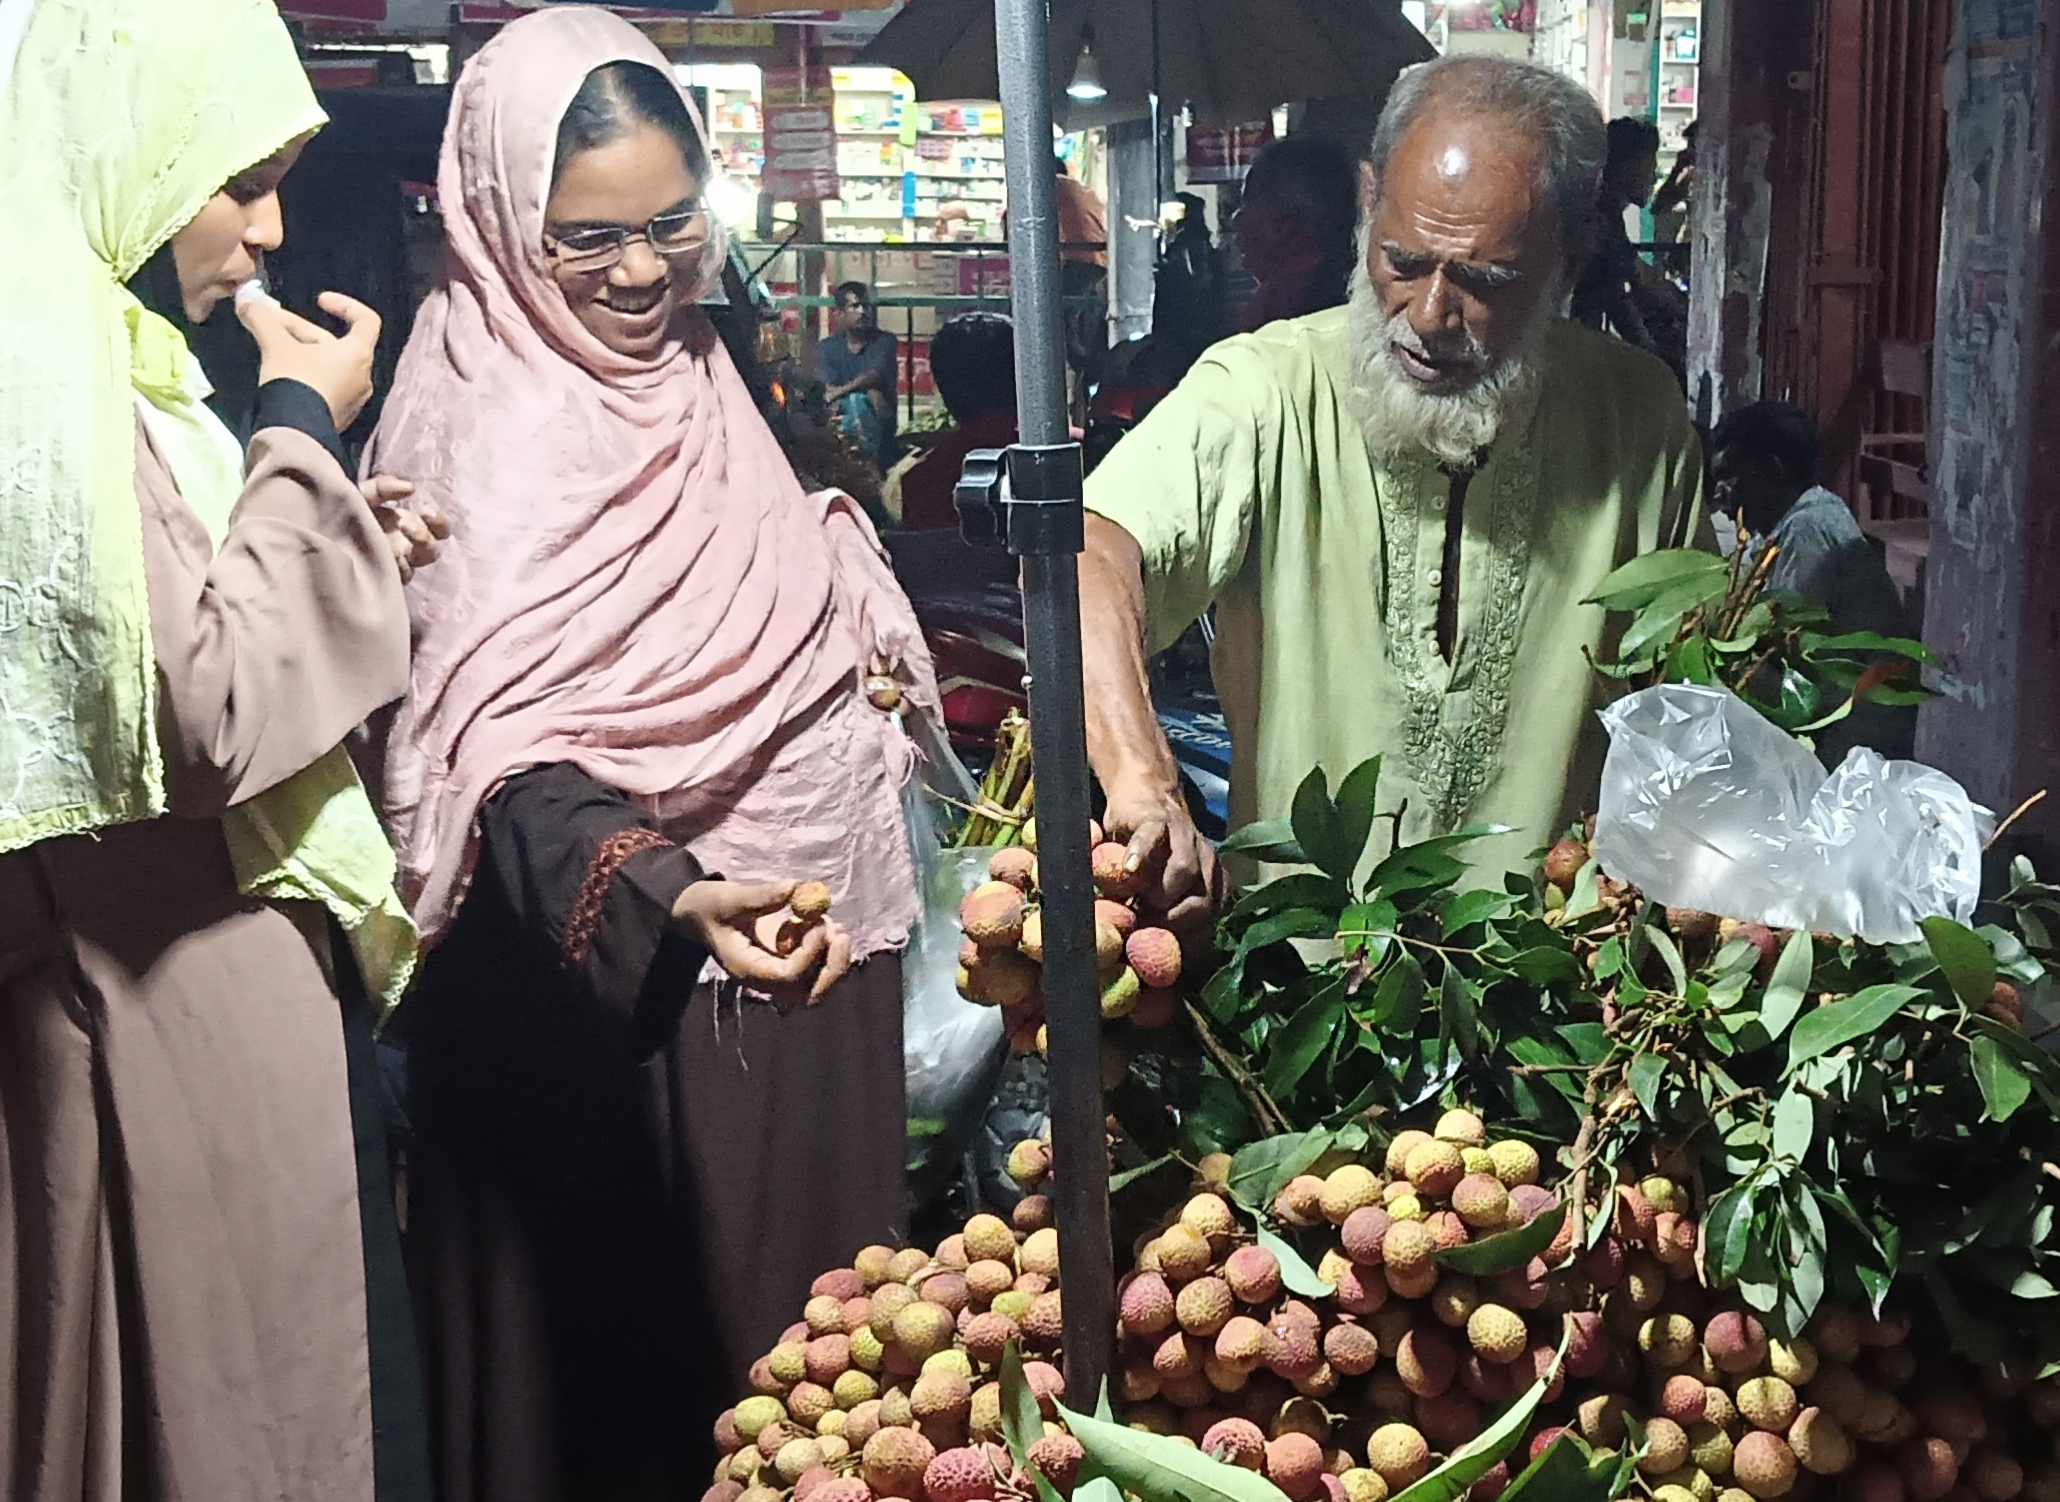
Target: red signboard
800, 135
1224, 156
372, 11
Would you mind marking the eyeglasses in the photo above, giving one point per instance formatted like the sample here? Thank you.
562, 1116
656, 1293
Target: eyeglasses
598, 249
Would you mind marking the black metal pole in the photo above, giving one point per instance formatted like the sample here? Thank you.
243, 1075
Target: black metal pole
1051, 620
1159, 193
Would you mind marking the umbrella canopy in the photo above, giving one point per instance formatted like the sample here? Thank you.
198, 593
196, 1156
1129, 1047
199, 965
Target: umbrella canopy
1230, 61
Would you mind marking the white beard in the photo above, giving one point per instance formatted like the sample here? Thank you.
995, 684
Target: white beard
1400, 418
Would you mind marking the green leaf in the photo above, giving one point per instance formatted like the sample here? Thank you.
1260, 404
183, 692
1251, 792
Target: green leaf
1588, 1040
1868, 642
2004, 1084
1366, 926
1097, 1489
1415, 868
1648, 1073
1642, 580
1302, 889
1795, 1118
1965, 958
1399, 1001
1505, 1249
1297, 1047
1459, 1010
1469, 908
1159, 1468
1129, 1176
1727, 1232
1268, 840
1296, 1273
1791, 983
1295, 923
1480, 1455
1318, 830
1841, 1022
1355, 805
1259, 1172
1671, 955
1022, 1424
1568, 1471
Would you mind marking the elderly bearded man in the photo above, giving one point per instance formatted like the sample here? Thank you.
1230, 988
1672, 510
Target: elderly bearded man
1397, 506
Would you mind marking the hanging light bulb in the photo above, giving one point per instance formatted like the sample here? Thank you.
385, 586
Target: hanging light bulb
1087, 86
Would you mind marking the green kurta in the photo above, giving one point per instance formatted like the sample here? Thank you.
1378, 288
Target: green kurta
1251, 488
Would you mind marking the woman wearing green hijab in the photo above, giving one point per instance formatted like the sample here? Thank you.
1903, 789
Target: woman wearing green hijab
191, 877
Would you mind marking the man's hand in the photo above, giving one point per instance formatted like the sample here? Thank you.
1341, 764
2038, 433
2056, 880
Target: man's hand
726, 919
416, 534
1182, 877
338, 369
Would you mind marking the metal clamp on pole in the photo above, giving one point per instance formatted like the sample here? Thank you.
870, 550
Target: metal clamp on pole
1025, 498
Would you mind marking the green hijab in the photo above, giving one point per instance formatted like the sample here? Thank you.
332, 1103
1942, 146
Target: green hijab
120, 120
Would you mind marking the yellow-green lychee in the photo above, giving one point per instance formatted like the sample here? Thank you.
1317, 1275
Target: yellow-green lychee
1821, 1446
1793, 1361
1477, 1159
1040, 1252
1398, 1455
1498, 1333
1435, 1169
1399, 1150
754, 1414
1211, 1215
1768, 1403
1482, 1201
1515, 1162
1462, 1128
1709, 1448
923, 1329
1666, 1447
1669, 1339
855, 1387
1349, 1188
1364, 1485
1408, 1247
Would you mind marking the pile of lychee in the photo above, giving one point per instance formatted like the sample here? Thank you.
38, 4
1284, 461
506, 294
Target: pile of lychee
1354, 1394
1002, 962
888, 1387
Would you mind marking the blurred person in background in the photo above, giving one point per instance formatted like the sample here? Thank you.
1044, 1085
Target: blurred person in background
1764, 474
1189, 311
1604, 292
973, 361
860, 367
1295, 229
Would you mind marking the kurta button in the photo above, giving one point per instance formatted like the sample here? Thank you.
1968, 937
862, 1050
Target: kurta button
1437, 577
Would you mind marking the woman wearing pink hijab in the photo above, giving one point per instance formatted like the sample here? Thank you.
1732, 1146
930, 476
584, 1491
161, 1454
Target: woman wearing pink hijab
648, 657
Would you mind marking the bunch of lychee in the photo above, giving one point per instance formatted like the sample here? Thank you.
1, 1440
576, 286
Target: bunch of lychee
1002, 962
888, 1386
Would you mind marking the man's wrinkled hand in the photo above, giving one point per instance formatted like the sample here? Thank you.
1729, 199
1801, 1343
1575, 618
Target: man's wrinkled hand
1180, 875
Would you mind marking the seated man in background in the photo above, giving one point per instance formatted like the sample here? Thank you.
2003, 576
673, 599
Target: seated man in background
859, 371
1763, 471
973, 361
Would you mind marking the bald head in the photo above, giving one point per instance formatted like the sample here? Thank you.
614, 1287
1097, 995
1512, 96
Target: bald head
1554, 115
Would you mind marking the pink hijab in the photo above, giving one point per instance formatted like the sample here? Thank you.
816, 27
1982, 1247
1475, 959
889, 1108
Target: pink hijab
635, 581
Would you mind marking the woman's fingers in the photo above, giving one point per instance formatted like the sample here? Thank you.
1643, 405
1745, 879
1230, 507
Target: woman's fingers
385, 490
361, 324
836, 962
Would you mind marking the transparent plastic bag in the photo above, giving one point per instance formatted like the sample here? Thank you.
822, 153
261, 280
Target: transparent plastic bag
1707, 805
952, 1049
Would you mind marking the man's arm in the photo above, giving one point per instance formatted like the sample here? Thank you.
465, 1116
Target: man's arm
1125, 743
